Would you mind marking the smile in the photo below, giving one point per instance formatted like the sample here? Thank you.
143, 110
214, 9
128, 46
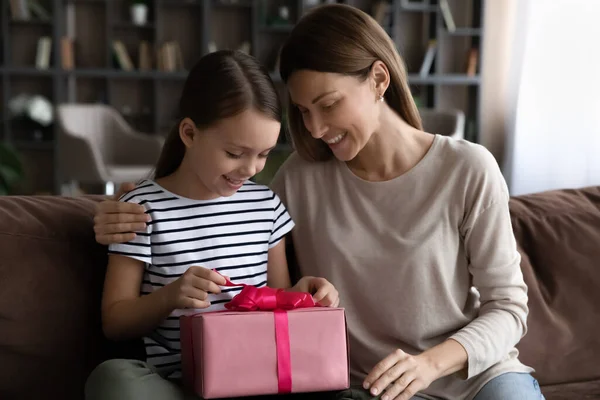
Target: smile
235, 182
336, 139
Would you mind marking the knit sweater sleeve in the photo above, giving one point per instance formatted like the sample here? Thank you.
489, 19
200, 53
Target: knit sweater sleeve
494, 264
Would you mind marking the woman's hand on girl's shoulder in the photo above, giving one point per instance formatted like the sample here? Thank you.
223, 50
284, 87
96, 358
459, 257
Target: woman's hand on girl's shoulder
117, 222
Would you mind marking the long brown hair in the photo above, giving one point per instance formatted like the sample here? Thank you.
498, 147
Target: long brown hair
220, 85
342, 39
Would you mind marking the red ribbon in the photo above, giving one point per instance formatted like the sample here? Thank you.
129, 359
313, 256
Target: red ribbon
265, 298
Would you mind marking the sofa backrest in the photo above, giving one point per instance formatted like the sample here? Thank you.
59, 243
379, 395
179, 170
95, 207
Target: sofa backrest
52, 270
558, 233
51, 277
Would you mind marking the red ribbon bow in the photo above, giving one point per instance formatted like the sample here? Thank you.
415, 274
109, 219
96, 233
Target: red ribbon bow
265, 298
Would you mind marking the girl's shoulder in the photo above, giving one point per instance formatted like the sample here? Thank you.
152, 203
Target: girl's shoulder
142, 191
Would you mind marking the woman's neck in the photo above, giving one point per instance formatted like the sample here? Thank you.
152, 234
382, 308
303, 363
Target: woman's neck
183, 182
395, 148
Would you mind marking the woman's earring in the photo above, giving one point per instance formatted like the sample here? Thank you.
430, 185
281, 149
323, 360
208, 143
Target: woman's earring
380, 98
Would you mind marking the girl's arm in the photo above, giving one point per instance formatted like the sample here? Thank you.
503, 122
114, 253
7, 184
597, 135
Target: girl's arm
126, 314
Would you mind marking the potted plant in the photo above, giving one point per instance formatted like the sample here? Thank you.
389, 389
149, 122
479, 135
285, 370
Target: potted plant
139, 12
11, 169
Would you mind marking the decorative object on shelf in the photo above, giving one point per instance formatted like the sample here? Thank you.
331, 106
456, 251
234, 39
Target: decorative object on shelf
35, 107
139, 12
32, 116
11, 169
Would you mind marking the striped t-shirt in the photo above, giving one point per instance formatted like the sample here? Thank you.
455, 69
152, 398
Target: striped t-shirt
230, 234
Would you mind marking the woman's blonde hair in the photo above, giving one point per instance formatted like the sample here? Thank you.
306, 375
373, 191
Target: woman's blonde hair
342, 39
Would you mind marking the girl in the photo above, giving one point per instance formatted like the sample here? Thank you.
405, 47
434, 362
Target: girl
202, 213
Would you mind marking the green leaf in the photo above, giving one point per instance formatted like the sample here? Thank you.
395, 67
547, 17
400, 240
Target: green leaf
9, 175
9, 158
11, 169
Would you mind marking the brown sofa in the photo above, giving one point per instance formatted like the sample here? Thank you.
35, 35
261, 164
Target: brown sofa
51, 273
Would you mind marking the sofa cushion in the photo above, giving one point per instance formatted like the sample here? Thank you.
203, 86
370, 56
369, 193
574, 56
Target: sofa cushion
51, 276
570, 391
559, 235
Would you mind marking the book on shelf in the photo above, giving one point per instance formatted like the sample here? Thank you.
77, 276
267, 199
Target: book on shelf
122, 56
67, 53
19, 9
145, 56
428, 58
44, 51
23, 10
447, 15
382, 11
170, 57
472, 61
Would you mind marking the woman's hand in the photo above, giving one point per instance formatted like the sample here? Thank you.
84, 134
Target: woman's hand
191, 289
323, 292
401, 376
116, 222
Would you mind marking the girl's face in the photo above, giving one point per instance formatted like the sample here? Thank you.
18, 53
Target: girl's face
231, 151
338, 109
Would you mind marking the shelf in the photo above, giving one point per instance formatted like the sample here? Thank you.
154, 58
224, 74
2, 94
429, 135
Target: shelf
31, 22
446, 79
406, 5
232, 4
464, 32
27, 71
33, 145
120, 74
132, 26
276, 28
86, 1
180, 3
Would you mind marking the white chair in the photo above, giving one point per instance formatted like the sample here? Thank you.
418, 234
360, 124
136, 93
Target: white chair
443, 122
97, 146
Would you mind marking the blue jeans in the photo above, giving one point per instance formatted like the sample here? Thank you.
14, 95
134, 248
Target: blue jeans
509, 386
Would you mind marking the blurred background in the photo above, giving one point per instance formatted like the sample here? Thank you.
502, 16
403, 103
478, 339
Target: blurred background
89, 87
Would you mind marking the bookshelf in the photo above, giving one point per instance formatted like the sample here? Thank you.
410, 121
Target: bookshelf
147, 98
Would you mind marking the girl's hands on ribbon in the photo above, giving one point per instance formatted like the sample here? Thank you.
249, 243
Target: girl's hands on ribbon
322, 291
191, 289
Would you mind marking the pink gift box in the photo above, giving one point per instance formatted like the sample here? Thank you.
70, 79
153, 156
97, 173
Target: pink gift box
240, 353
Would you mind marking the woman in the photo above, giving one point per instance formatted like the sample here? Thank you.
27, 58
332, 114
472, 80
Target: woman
412, 228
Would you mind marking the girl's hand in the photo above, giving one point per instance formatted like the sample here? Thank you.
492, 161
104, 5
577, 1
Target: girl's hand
401, 376
323, 292
191, 289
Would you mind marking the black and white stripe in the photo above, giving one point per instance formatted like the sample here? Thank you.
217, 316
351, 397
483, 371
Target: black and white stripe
232, 235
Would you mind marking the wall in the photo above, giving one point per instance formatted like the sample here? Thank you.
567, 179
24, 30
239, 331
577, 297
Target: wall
555, 142
499, 20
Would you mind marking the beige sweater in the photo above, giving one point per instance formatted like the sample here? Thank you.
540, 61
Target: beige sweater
427, 256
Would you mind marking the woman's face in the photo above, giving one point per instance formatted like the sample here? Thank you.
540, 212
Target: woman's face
341, 110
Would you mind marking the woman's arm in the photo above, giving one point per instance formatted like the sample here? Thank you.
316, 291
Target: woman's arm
278, 275
126, 314
496, 273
